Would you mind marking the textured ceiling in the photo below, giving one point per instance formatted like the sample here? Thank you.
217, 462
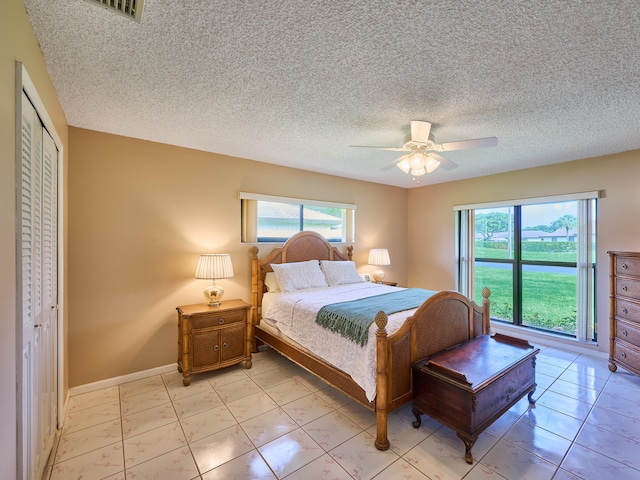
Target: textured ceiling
296, 83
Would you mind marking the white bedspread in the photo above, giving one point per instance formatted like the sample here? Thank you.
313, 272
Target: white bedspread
294, 314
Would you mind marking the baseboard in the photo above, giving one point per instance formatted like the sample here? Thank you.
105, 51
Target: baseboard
110, 382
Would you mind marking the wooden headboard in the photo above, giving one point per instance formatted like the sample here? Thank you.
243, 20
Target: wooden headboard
299, 248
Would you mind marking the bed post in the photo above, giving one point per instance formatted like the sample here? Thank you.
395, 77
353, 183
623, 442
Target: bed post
486, 314
382, 385
254, 296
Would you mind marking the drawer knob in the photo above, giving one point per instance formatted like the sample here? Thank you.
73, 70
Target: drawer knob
623, 355
624, 333
216, 348
224, 345
221, 321
624, 289
624, 310
624, 266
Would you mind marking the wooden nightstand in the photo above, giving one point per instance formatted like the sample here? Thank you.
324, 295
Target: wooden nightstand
210, 338
391, 284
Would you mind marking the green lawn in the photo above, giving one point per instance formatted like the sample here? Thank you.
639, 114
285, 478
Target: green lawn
549, 299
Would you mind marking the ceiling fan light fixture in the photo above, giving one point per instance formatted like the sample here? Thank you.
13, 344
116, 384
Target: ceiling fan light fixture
417, 163
420, 141
432, 164
418, 160
404, 164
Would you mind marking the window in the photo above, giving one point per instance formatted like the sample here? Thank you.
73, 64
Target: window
267, 218
537, 257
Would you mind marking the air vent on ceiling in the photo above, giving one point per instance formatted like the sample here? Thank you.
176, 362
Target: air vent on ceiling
130, 8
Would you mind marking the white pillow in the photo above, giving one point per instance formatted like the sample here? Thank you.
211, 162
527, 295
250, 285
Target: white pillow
271, 282
340, 272
299, 275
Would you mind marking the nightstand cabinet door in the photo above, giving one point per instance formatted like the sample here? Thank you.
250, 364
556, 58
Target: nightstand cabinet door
232, 342
205, 349
212, 337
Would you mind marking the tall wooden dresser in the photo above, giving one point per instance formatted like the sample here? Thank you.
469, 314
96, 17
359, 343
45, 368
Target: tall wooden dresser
624, 311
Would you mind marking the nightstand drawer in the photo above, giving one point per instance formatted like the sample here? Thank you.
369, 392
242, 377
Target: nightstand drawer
216, 319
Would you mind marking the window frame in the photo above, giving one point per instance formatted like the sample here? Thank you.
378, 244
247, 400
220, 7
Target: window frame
586, 324
249, 214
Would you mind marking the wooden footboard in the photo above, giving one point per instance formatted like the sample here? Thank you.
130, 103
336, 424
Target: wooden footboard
445, 319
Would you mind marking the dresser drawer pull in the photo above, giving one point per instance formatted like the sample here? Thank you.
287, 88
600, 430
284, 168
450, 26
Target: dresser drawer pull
624, 310
624, 289
221, 321
624, 333
623, 355
224, 345
624, 266
216, 348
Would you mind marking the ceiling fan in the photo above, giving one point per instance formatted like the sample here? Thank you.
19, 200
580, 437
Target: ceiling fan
424, 157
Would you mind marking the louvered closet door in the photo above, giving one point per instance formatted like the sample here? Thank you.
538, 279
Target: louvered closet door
37, 218
49, 294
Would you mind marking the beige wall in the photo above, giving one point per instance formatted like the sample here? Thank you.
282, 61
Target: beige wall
140, 213
17, 43
431, 218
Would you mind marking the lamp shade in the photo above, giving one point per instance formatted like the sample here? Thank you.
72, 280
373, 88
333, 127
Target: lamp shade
379, 256
214, 265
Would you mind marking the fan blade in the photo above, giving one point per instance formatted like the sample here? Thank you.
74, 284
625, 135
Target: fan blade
391, 149
466, 144
444, 163
420, 131
388, 167
395, 163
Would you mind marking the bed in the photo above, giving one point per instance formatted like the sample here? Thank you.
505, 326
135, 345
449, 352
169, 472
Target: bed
444, 319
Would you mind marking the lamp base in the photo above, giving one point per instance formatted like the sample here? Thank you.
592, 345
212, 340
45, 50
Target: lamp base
213, 294
378, 275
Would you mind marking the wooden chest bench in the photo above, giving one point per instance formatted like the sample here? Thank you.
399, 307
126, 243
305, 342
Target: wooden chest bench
468, 386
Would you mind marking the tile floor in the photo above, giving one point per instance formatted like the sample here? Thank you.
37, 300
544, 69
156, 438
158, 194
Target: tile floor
278, 421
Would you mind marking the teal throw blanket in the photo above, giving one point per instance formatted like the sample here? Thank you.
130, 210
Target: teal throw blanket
352, 319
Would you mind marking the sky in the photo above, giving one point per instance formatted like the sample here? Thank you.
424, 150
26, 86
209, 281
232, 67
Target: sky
541, 214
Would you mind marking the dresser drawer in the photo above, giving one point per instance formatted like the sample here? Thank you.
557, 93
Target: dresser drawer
627, 265
628, 311
216, 319
627, 354
626, 287
628, 332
